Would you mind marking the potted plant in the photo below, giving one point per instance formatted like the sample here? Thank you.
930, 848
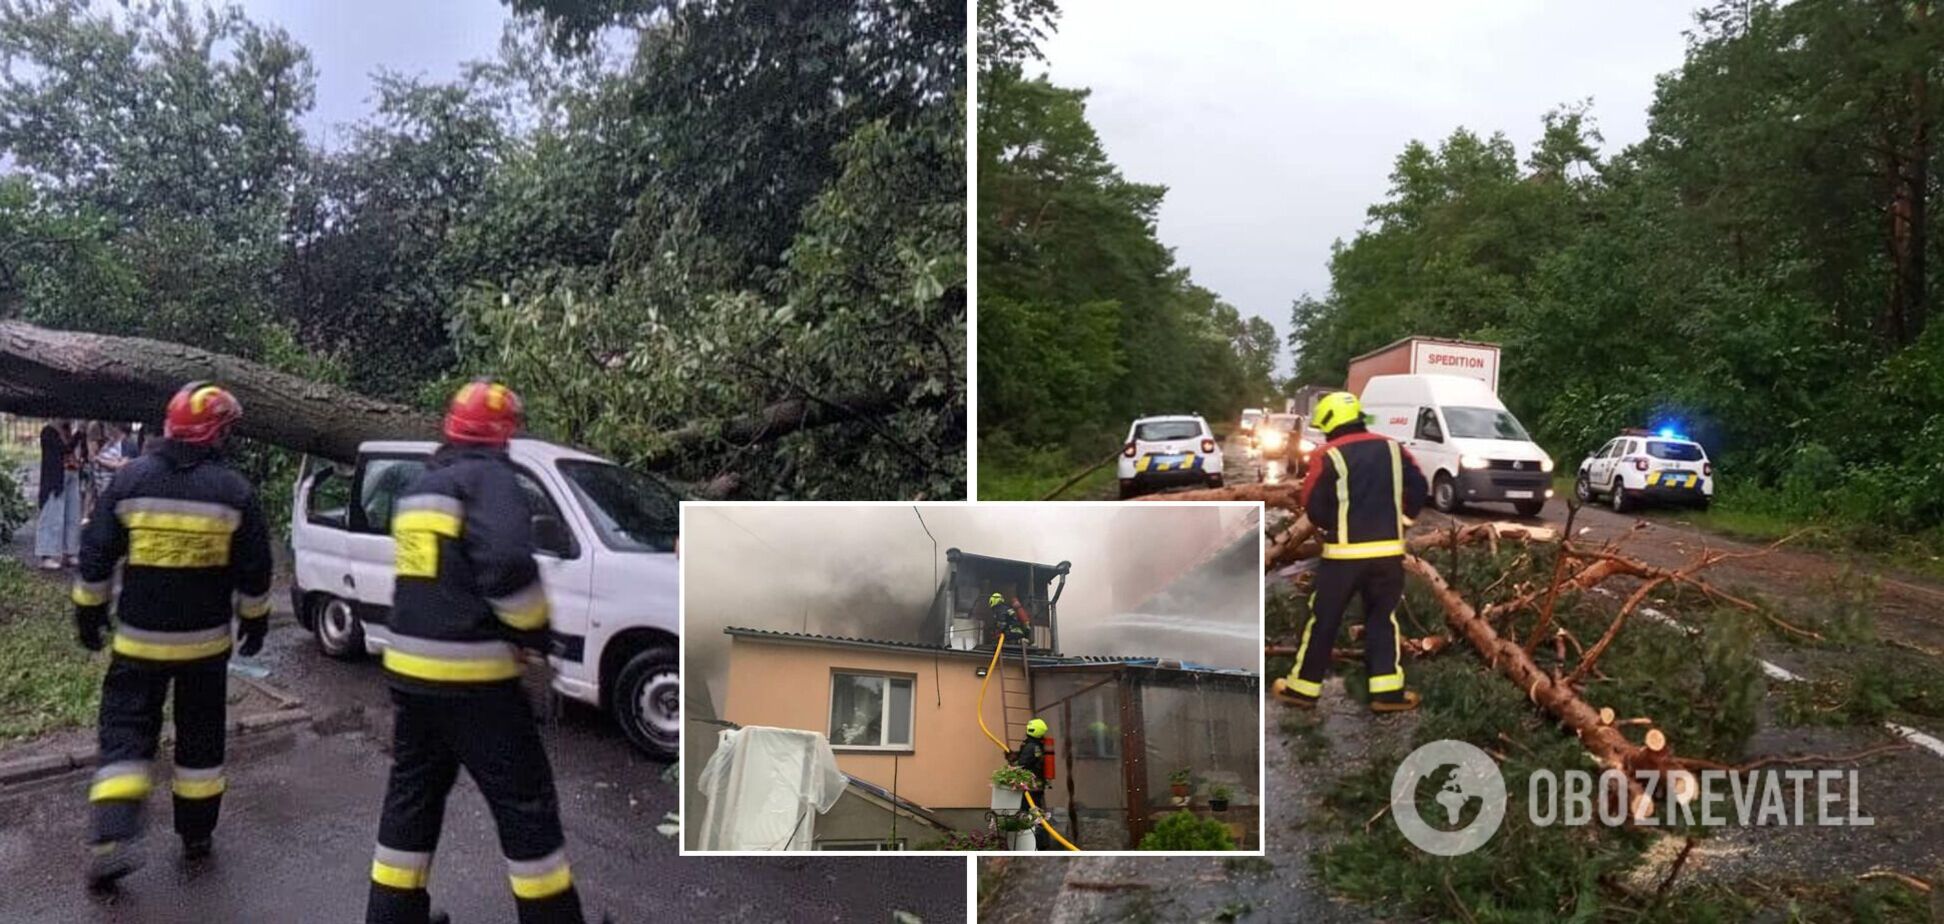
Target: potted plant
1218, 797
1018, 828
1007, 784
1178, 782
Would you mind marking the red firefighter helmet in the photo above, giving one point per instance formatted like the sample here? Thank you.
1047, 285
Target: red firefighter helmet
483, 413
201, 413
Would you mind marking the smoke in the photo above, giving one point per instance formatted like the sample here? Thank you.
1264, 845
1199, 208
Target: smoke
869, 571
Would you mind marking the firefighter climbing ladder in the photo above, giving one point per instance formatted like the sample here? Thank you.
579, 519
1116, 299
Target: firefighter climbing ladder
999, 648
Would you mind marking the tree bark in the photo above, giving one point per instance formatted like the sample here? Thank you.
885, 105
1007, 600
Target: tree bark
54, 373
51, 373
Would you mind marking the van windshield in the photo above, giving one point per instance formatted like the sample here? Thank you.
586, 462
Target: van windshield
1484, 423
632, 512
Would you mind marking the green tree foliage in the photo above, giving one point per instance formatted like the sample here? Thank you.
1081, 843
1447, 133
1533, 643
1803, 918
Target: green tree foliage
1756, 268
646, 216
1085, 321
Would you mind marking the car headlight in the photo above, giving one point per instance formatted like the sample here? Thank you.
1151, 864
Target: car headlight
1545, 465
1474, 461
1306, 446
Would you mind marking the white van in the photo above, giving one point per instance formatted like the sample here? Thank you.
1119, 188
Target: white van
606, 539
1470, 447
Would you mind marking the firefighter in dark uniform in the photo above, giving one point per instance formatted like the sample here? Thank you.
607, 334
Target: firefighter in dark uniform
468, 597
1031, 756
1011, 621
194, 552
1362, 490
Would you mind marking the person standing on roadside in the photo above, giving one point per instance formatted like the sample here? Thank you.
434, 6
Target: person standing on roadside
57, 533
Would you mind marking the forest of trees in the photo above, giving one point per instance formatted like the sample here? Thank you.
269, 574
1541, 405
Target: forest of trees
1761, 269
644, 215
1085, 320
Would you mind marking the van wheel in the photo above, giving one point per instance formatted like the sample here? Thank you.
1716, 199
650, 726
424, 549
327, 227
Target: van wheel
1529, 508
1621, 502
339, 633
1444, 494
647, 701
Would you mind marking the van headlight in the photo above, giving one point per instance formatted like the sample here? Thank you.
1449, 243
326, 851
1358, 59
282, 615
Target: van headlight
1545, 465
1306, 447
1474, 461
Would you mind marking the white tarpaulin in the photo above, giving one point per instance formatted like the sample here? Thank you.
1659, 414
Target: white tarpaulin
764, 788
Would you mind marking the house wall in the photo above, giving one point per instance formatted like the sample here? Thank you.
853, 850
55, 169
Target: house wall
787, 685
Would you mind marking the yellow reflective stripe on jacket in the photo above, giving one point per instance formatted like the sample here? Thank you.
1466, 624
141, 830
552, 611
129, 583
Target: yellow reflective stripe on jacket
451, 662
524, 609
90, 593
197, 782
533, 879
1378, 549
416, 526
170, 533
1342, 492
121, 780
1397, 485
152, 645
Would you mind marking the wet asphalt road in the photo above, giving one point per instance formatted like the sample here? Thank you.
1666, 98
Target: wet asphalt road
302, 808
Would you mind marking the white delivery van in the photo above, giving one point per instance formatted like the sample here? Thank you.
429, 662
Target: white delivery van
1469, 446
606, 540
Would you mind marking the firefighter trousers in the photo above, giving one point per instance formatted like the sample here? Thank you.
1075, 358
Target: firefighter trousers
132, 694
488, 729
1380, 583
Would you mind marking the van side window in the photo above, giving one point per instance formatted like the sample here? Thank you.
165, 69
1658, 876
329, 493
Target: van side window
329, 501
550, 533
378, 490
1427, 426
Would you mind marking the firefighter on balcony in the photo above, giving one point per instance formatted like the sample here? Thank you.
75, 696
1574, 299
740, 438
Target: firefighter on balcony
1035, 757
1362, 490
194, 551
468, 597
1011, 621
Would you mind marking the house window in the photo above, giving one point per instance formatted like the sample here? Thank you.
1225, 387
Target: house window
898, 844
870, 711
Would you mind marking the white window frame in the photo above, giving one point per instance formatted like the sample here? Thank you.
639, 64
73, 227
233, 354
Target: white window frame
884, 718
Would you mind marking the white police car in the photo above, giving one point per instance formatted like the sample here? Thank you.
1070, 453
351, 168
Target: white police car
1169, 450
1641, 466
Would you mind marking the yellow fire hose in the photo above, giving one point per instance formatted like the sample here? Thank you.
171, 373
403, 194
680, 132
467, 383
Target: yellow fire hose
1001, 745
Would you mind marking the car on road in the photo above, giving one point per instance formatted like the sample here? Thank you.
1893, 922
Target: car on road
1247, 423
1639, 467
1273, 433
1466, 442
1166, 451
607, 541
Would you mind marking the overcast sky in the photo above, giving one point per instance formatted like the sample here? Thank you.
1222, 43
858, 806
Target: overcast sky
1274, 123
349, 40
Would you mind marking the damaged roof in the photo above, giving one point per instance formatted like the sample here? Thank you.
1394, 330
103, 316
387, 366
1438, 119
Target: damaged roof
1037, 659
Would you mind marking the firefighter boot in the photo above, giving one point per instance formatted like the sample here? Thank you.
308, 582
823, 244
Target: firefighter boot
1396, 701
109, 861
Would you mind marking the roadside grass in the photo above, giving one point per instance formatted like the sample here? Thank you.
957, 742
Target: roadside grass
1704, 692
1028, 474
47, 682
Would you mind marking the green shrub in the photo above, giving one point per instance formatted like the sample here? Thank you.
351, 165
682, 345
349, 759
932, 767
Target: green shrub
1187, 831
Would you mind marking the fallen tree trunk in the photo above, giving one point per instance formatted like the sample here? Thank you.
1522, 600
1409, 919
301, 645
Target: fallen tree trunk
55, 373
1286, 496
51, 373
1509, 658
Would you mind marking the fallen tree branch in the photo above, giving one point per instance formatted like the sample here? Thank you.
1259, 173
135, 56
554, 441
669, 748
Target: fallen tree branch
1285, 496
1070, 482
